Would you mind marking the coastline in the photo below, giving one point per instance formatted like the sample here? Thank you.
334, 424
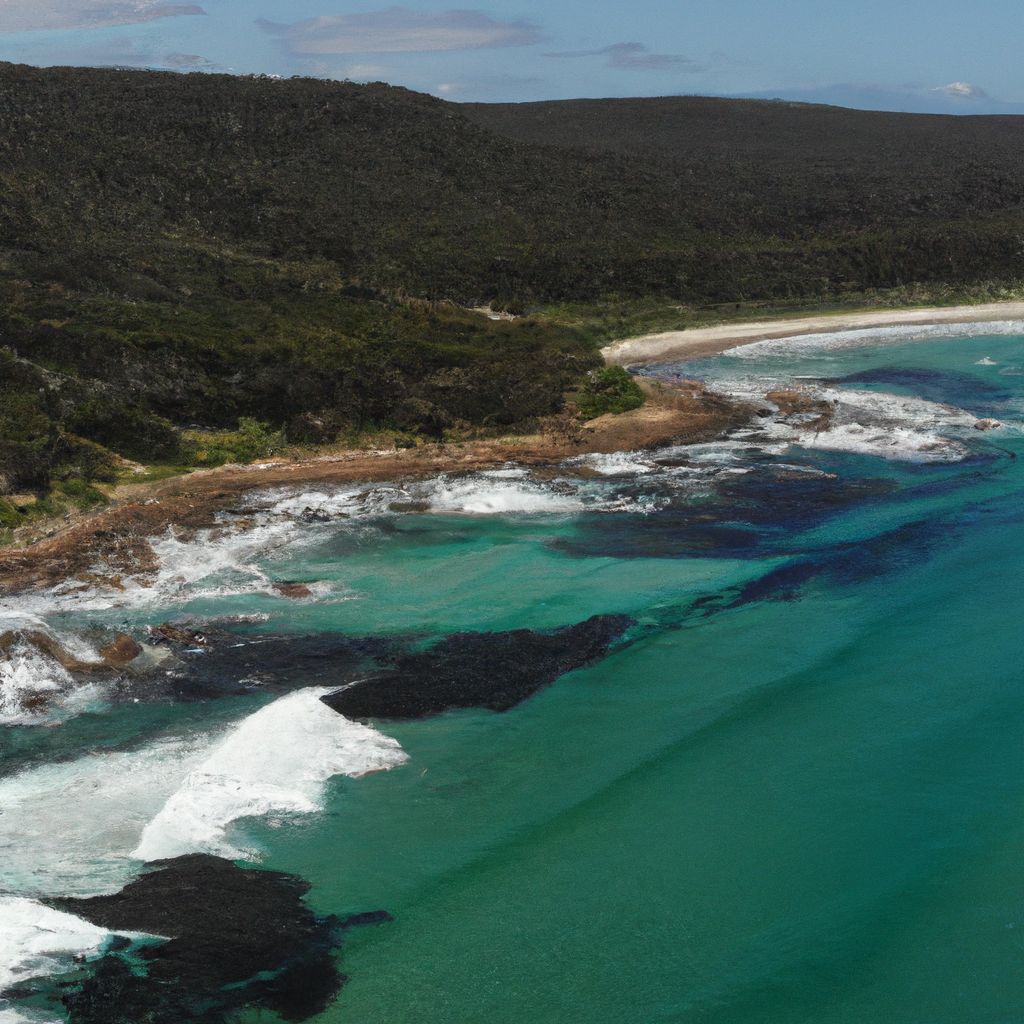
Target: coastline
110, 544
105, 545
708, 341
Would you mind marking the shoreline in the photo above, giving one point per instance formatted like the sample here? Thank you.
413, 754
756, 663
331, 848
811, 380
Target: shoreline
699, 342
108, 544
105, 546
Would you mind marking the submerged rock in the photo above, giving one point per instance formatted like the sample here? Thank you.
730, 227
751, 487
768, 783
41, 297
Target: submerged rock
170, 633
495, 671
218, 663
293, 590
235, 937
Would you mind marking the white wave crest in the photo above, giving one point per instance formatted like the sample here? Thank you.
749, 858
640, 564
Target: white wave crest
70, 826
509, 491
29, 683
277, 761
808, 343
617, 463
36, 940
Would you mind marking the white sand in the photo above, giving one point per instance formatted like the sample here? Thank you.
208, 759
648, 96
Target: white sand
705, 341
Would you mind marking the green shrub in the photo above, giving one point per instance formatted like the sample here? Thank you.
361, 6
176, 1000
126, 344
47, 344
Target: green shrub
82, 494
611, 389
252, 440
9, 515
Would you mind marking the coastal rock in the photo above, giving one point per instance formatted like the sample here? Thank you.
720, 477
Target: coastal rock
813, 413
121, 651
216, 664
235, 937
792, 402
495, 671
293, 590
987, 424
172, 634
49, 645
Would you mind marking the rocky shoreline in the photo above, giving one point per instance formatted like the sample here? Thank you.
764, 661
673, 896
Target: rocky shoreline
112, 545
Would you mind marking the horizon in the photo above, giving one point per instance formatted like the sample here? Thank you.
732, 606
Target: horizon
928, 59
582, 98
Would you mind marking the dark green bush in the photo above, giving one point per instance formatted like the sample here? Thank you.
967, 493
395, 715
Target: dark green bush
611, 389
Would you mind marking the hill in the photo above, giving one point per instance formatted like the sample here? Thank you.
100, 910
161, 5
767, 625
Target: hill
295, 256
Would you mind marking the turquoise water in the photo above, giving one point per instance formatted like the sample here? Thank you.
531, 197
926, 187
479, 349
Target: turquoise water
794, 802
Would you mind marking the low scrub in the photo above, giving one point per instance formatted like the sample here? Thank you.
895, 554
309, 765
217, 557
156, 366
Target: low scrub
611, 389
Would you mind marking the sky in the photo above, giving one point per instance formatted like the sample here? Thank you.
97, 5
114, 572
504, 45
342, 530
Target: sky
944, 56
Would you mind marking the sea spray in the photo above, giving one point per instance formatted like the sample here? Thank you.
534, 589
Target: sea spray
35, 940
69, 827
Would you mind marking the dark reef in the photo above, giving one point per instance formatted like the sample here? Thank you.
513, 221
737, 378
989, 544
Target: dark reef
749, 516
229, 664
235, 937
966, 390
495, 671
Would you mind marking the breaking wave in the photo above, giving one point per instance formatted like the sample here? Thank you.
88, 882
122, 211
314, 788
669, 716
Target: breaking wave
277, 761
36, 940
807, 343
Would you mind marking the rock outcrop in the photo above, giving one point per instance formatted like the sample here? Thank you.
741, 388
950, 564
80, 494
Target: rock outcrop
495, 671
233, 938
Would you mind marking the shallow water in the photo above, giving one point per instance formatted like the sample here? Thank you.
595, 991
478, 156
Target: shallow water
793, 793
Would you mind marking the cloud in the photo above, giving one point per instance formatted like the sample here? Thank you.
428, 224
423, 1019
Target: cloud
365, 72
401, 30
962, 90
634, 57
49, 15
188, 62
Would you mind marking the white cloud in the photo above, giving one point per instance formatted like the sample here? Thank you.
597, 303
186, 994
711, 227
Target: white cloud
963, 90
634, 57
188, 62
42, 15
365, 72
401, 30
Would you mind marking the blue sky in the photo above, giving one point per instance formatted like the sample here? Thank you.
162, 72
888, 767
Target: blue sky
928, 55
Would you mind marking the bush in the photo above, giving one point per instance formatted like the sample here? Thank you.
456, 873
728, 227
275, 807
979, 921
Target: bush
9, 515
252, 440
609, 390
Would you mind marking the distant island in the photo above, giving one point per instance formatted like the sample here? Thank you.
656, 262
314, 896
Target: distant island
197, 269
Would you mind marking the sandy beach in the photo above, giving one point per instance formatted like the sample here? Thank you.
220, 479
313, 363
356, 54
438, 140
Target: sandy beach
707, 341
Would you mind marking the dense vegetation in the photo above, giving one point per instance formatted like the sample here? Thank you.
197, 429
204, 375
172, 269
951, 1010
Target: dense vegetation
199, 267
609, 389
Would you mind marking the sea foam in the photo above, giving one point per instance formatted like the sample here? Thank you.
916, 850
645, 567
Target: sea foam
36, 940
277, 761
829, 341
69, 827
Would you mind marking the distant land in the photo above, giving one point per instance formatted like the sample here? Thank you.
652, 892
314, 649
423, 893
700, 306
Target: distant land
201, 268
960, 98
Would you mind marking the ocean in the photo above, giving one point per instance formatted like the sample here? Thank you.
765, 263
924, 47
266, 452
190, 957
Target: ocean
779, 779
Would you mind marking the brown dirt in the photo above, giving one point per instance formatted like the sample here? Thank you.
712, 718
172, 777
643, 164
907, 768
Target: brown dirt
112, 544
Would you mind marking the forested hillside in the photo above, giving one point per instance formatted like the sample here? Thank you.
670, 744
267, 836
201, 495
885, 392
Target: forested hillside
205, 250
